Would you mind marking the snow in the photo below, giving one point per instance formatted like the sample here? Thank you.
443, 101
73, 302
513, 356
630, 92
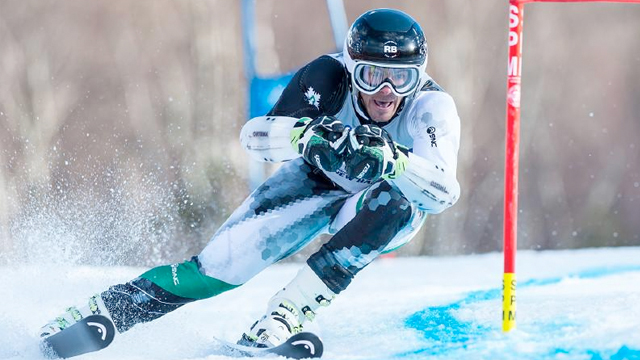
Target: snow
573, 304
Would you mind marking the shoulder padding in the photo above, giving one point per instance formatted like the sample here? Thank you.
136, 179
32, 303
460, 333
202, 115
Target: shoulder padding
319, 88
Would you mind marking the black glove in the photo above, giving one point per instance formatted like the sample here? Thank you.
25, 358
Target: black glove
321, 141
372, 154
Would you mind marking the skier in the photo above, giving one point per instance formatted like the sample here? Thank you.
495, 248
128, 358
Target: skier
369, 146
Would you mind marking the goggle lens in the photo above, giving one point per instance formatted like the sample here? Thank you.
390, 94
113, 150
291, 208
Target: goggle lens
370, 78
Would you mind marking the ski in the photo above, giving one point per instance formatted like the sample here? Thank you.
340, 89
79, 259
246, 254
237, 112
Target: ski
96, 332
299, 346
90, 334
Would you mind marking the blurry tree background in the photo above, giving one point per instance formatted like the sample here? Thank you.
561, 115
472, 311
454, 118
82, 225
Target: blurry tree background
119, 121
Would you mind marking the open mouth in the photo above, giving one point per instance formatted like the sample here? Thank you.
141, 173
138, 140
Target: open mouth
383, 104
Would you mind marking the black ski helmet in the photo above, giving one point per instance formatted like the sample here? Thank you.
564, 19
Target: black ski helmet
389, 38
386, 36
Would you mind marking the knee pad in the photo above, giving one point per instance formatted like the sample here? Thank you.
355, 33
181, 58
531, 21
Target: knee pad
387, 200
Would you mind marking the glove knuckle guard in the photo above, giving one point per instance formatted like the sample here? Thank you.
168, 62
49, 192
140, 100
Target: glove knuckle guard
320, 143
374, 156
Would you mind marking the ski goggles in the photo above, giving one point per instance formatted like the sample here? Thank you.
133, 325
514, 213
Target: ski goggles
370, 78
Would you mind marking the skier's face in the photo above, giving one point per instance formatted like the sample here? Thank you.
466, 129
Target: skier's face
382, 105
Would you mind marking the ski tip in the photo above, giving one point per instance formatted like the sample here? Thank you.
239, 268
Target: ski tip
90, 334
300, 346
305, 345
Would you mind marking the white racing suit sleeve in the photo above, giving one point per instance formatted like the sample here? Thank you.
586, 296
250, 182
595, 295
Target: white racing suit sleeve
268, 138
427, 185
429, 180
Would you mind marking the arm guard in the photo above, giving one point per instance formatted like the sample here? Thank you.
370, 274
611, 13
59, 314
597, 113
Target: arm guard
268, 138
431, 187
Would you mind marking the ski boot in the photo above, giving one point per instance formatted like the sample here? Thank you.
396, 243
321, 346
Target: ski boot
288, 310
72, 315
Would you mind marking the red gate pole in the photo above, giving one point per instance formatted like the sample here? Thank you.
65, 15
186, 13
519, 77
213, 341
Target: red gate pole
511, 165
516, 8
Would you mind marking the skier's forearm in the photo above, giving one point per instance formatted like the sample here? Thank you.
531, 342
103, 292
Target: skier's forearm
431, 187
268, 138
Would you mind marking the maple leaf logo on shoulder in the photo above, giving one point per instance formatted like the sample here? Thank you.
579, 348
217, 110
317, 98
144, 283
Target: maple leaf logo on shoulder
313, 98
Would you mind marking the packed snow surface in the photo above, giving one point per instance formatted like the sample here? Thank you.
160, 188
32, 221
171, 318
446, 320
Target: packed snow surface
574, 304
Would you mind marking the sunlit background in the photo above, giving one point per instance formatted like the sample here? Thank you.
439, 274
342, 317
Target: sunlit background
119, 121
